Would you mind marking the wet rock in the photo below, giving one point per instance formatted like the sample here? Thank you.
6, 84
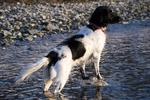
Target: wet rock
51, 27
3, 48
33, 31
7, 41
93, 82
19, 34
35, 36
40, 34
43, 16
17, 27
125, 22
30, 38
6, 33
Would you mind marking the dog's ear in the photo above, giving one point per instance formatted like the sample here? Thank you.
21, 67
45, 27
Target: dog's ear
100, 17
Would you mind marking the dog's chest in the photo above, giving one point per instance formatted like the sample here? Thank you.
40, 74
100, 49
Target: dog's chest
93, 42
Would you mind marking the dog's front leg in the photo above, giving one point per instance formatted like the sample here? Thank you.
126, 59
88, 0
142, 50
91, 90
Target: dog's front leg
96, 65
82, 70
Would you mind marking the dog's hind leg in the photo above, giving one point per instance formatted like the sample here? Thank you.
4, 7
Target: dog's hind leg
49, 74
63, 74
48, 83
60, 86
57, 88
62, 79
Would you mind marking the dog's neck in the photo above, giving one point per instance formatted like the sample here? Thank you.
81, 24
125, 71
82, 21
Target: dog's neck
95, 27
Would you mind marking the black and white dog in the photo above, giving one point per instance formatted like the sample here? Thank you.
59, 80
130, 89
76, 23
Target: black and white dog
88, 42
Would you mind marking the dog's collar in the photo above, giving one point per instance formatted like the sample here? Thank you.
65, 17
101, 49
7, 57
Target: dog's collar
98, 27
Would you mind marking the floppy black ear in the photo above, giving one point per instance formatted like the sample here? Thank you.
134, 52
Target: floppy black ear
100, 17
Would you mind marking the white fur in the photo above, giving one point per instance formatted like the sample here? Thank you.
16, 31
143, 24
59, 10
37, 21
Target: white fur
28, 70
62, 68
93, 41
94, 44
60, 71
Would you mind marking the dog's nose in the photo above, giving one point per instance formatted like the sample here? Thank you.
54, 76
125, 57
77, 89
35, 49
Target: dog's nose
118, 18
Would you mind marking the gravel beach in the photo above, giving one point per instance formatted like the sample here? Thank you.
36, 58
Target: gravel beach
27, 22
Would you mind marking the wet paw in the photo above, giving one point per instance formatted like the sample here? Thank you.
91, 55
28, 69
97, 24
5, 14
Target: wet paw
45, 91
85, 77
48, 94
99, 77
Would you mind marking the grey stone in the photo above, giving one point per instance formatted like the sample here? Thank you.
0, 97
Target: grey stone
125, 22
33, 31
51, 27
6, 33
30, 38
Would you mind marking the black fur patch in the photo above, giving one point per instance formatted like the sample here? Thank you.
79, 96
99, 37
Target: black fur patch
53, 57
103, 16
92, 27
77, 48
100, 16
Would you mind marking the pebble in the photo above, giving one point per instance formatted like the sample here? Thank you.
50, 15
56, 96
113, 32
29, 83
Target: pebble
51, 27
30, 38
6, 33
125, 22
19, 34
26, 22
3, 48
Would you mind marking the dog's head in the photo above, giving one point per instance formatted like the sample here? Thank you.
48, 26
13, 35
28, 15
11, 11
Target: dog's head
103, 16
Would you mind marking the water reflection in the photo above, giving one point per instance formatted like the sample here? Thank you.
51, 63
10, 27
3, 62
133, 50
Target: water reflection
85, 94
51, 96
91, 93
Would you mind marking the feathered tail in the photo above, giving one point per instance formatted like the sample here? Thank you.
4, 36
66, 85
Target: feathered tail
28, 70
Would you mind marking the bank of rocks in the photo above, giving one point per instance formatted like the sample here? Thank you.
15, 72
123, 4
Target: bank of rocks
27, 22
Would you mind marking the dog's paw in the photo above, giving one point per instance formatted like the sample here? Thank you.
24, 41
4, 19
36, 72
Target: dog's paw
45, 91
85, 77
99, 77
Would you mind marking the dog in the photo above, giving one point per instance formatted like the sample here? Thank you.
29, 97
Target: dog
76, 50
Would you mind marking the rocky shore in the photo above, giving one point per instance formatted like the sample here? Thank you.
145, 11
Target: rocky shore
26, 22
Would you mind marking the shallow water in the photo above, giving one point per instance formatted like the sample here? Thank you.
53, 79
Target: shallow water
125, 66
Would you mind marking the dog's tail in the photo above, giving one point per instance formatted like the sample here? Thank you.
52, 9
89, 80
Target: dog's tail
28, 70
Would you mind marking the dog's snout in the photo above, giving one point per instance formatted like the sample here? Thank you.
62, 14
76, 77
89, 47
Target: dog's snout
114, 18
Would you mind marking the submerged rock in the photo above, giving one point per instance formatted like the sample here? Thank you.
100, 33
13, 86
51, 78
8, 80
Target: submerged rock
93, 82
